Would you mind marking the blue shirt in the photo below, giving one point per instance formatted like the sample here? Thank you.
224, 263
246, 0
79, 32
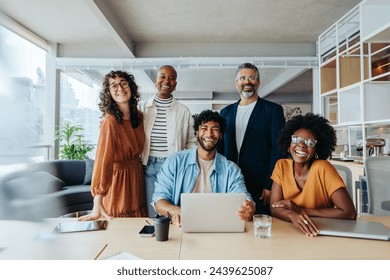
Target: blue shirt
180, 171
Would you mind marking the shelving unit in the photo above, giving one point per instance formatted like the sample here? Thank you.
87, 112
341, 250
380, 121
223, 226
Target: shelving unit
354, 61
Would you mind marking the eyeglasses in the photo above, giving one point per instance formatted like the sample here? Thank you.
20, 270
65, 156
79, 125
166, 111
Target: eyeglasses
250, 78
114, 87
310, 143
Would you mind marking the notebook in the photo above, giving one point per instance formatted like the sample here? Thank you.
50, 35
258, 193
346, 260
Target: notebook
122, 256
211, 212
351, 228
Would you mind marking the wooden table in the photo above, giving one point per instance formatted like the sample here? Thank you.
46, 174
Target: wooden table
35, 241
286, 243
123, 236
21, 240
27, 240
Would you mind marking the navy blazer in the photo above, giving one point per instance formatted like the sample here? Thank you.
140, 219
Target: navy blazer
259, 150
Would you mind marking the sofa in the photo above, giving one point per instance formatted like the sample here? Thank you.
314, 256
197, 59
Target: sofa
47, 189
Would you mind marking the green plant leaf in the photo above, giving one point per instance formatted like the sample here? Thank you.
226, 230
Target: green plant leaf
71, 137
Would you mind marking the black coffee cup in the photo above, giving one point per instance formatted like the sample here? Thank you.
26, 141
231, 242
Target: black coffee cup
161, 226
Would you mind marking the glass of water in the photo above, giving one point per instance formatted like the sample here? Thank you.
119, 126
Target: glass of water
262, 226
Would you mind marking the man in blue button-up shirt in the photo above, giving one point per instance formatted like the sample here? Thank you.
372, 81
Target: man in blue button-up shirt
200, 169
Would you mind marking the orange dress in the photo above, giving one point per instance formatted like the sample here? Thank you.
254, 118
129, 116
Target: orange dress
118, 173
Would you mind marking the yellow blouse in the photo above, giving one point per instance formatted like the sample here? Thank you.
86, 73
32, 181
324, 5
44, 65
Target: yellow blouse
322, 181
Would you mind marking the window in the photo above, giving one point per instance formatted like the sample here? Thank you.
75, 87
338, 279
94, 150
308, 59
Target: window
22, 95
79, 105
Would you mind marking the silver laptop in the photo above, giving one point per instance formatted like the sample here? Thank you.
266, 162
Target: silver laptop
351, 228
211, 212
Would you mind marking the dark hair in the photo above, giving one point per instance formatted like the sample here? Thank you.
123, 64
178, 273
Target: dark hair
108, 105
206, 116
248, 66
167, 66
326, 135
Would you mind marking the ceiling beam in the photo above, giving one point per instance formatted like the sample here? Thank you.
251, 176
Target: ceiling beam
286, 76
24, 32
187, 62
111, 22
225, 49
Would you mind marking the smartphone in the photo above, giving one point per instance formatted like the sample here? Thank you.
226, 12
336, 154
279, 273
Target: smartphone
77, 226
147, 231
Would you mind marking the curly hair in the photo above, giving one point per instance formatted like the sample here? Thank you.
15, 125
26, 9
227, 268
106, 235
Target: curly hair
326, 135
108, 105
206, 116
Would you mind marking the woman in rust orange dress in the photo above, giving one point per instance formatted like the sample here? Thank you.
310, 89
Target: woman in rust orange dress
118, 184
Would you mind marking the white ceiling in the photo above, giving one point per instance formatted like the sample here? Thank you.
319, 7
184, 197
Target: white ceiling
205, 40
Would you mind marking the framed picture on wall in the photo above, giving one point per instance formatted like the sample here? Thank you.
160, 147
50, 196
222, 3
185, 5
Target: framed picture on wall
293, 109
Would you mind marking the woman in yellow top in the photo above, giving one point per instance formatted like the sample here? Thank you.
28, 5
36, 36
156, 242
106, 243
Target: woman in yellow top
306, 184
118, 182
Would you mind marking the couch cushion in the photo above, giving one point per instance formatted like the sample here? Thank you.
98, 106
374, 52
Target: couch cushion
29, 185
76, 194
72, 172
88, 171
73, 198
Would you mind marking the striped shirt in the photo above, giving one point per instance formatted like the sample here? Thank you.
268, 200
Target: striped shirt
158, 137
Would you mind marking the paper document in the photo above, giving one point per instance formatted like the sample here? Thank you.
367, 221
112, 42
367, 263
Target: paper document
122, 256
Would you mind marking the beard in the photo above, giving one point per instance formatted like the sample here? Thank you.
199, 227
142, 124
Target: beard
208, 148
247, 94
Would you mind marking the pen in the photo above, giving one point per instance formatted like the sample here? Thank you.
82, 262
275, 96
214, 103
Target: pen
101, 251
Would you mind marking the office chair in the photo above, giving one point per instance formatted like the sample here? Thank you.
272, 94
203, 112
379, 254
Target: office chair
346, 174
378, 185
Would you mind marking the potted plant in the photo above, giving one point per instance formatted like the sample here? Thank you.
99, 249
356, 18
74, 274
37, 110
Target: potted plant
74, 147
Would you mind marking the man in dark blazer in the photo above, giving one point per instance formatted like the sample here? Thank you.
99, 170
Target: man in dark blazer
253, 126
